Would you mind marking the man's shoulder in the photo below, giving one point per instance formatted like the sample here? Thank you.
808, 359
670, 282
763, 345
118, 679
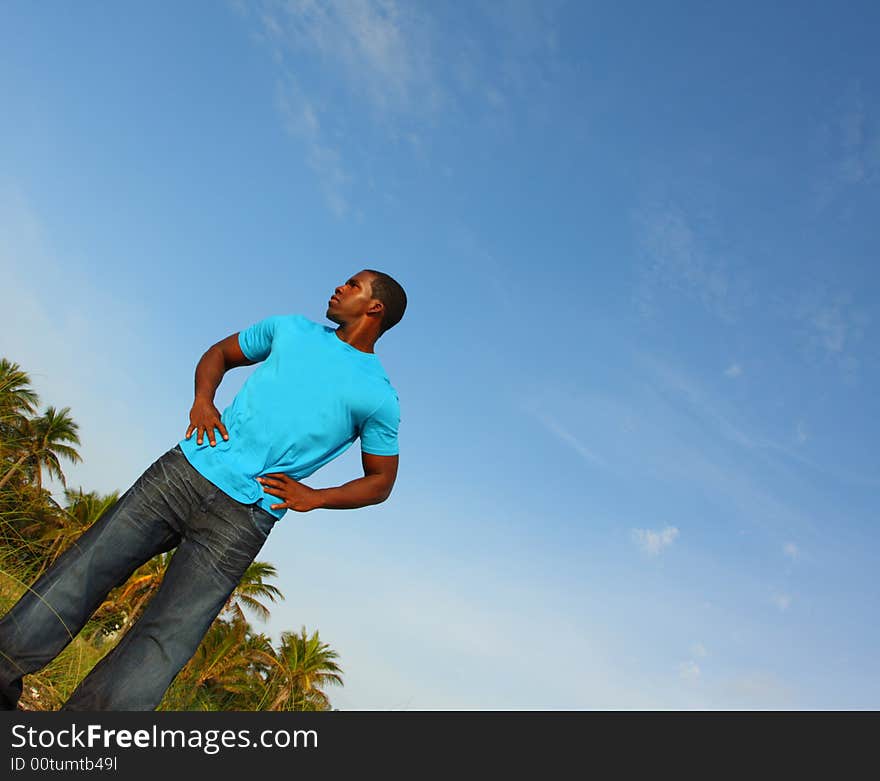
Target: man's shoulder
389, 392
298, 321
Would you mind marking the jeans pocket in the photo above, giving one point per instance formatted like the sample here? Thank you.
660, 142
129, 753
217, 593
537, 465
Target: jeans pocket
262, 520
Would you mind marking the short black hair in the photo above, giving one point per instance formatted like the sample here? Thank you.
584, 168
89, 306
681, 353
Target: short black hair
389, 291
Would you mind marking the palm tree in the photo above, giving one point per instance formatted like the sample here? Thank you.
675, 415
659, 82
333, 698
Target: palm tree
252, 587
125, 603
17, 402
227, 670
43, 444
17, 399
81, 511
303, 665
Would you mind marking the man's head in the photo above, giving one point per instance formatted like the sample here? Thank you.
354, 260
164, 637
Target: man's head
371, 294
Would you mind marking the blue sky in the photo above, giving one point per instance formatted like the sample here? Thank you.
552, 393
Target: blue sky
638, 462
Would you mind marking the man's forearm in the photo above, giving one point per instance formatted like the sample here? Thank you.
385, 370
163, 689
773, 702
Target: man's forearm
370, 489
209, 373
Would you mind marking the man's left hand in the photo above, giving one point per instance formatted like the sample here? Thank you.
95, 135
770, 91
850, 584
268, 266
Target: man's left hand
296, 496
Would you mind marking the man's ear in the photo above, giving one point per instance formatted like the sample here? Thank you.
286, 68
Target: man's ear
376, 307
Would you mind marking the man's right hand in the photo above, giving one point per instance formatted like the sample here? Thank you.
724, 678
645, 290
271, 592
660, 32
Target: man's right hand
203, 419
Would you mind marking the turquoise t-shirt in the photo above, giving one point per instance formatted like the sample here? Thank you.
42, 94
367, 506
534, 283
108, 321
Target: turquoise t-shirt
304, 405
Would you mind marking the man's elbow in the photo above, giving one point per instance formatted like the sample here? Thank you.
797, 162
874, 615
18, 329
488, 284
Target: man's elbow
383, 491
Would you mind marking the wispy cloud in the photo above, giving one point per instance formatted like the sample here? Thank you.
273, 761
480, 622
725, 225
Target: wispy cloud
528, 57
678, 256
482, 260
782, 601
734, 370
578, 419
326, 160
564, 435
791, 550
379, 49
849, 148
360, 74
685, 388
653, 542
689, 671
347, 69
674, 427
831, 326
680, 389
755, 689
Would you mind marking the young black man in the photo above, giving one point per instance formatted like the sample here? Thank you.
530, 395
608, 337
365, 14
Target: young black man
216, 496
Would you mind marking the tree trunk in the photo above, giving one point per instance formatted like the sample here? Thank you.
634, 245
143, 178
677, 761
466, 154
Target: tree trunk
16, 465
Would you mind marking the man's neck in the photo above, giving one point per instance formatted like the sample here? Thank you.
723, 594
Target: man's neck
363, 339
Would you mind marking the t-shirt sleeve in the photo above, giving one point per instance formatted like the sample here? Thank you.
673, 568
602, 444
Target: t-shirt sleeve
379, 432
256, 340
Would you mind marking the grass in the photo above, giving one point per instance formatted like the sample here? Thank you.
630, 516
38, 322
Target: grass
50, 687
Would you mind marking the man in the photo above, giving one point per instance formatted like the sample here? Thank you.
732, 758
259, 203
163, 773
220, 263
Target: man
216, 497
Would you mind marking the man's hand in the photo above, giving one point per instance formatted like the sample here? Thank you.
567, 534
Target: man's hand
204, 418
296, 496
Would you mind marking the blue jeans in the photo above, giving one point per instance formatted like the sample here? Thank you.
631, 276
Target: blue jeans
170, 505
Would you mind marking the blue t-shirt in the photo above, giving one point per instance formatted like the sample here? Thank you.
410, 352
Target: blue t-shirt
304, 405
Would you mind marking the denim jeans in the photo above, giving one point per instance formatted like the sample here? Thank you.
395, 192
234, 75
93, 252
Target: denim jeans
170, 505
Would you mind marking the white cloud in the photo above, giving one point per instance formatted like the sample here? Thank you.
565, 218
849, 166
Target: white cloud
347, 67
734, 370
301, 120
383, 48
699, 650
675, 385
383, 71
755, 690
685, 387
801, 432
568, 438
494, 98
849, 148
239, 6
678, 255
493, 270
689, 671
683, 432
782, 601
831, 327
652, 542
382, 54
791, 550
569, 404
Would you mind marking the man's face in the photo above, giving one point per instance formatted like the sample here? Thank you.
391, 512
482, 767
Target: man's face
352, 299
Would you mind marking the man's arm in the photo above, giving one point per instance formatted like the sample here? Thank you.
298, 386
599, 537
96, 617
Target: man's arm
374, 487
217, 360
